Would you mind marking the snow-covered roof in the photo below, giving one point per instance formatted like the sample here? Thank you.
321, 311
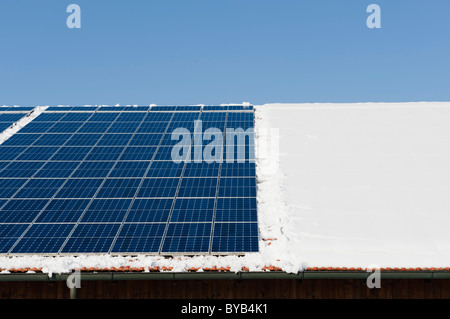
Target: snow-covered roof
340, 186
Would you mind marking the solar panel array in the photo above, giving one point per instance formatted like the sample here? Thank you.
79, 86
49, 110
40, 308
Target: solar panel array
103, 180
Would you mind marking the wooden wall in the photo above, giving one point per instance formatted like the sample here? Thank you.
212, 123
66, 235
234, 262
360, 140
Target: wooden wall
230, 289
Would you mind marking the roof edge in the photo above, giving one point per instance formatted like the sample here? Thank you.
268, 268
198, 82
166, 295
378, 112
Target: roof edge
100, 276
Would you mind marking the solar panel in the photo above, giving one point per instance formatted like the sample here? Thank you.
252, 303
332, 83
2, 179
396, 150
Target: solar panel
103, 180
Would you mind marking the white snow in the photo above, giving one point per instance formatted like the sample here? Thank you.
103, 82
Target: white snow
27, 118
365, 183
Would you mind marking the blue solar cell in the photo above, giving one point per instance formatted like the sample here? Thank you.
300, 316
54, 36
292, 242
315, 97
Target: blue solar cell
79, 245
10, 153
171, 154
138, 154
49, 117
57, 169
235, 237
223, 108
37, 153
238, 169
10, 186
130, 169
165, 169
43, 238
139, 238
105, 153
93, 169
91, 230
190, 108
131, 117
157, 117
237, 187
84, 108
240, 108
71, 153
11, 230
239, 153
40, 188
6, 244
150, 211
158, 187
202, 169
185, 117
21, 211
214, 117
21, 169
94, 127
36, 127
52, 140
152, 128
119, 188
104, 117
89, 238
240, 117
21, 139
193, 210
107, 108
3, 165
65, 127
142, 230
163, 108
4, 126
146, 140
236, 210
84, 140
21, 108
76, 117
11, 117
136, 109
187, 237
106, 211
63, 211
59, 108
198, 187
123, 127
137, 245
115, 140
79, 188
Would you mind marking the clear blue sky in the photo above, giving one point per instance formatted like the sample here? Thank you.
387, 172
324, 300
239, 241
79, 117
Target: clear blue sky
228, 51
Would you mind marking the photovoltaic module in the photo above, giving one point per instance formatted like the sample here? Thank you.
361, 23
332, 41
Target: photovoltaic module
129, 180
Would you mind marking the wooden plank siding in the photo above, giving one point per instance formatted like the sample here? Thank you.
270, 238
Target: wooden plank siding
231, 289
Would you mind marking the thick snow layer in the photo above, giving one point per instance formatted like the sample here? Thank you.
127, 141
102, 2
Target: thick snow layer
27, 118
365, 184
